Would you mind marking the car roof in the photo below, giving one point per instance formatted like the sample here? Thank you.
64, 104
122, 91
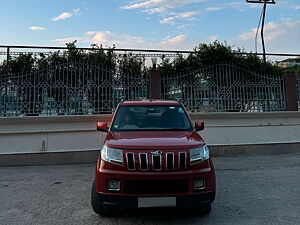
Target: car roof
150, 102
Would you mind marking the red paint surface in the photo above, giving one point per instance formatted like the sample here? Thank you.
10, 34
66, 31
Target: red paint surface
147, 141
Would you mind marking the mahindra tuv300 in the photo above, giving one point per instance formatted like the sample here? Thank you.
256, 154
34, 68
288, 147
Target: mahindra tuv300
153, 157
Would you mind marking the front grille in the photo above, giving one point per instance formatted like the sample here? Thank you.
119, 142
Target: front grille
143, 161
170, 161
130, 160
162, 161
156, 159
156, 186
182, 160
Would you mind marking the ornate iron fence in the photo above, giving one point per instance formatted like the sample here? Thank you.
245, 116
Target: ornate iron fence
67, 88
225, 88
68, 85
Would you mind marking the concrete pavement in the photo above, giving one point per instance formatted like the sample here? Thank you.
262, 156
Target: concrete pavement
250, 190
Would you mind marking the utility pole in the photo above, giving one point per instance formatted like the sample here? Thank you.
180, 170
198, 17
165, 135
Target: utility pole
265, 2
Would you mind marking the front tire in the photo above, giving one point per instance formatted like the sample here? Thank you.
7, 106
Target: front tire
201, 210
97, 206
205, 209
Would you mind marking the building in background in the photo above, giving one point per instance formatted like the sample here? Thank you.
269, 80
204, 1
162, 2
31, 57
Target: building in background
290, 62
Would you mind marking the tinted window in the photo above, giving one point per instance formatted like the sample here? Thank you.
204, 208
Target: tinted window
133, 118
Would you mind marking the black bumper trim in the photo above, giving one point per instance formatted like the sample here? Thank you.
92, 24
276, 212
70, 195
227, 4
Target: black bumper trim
124, 202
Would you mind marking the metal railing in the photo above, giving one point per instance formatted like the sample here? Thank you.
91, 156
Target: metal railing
226, 88
7, 52
68, 88
80, 81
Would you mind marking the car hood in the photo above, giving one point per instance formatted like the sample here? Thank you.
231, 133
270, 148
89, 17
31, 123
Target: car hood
154, 140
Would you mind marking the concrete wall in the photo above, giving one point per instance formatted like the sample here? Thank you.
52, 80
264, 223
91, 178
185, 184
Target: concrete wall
225, 132
250, 128
50, 134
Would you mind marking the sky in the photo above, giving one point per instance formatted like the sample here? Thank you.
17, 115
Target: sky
149, 24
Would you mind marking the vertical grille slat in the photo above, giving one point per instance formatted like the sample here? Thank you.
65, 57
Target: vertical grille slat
143, 161
170, 161
182, 160
156, 159
130, 161
164, 161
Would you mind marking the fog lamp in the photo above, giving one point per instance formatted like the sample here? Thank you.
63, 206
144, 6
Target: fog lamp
199, 184
114, 185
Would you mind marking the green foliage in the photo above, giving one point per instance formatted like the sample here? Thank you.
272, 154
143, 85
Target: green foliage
24, 63
210, 54
203, 55
130, 65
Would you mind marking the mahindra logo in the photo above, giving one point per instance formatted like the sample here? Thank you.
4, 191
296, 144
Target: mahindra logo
156, 153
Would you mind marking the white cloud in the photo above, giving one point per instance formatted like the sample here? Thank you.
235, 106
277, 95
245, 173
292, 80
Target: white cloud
214, 8
174, 40
160, 3
272, 30
185, 16
155, 10
62, 16
169, 20
108, 39
35, 28
279, 37
168, 9
76, 11
66, 15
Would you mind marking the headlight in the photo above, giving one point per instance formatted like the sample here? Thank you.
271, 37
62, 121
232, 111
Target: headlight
199, 154
112, 155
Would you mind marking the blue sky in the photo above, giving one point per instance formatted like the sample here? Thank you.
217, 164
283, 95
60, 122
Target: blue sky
154, 24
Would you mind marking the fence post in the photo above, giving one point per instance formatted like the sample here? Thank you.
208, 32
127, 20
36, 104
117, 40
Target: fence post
154, 84
290, 90
8, 54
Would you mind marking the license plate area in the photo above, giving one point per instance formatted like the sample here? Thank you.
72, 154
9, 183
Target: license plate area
147, 202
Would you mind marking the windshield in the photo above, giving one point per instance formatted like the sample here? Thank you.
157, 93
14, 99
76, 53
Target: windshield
142, 118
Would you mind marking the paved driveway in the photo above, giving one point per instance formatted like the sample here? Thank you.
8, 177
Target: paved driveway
251, 190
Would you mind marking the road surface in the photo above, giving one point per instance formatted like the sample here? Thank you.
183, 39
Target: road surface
250, 190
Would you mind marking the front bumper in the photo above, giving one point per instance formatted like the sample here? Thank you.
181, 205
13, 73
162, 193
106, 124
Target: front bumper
125, 202
159, 183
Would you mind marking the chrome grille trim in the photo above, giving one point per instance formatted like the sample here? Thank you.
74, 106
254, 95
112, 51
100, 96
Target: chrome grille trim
133, 159
147, 162
144, 161
160, 167
167, 161
180, 155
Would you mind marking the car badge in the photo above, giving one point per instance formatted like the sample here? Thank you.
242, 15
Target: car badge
156, 153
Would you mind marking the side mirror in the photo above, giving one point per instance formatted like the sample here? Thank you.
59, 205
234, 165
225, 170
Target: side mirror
102, 126
199, 126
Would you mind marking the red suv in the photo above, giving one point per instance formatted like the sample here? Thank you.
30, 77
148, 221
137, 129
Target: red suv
153, 157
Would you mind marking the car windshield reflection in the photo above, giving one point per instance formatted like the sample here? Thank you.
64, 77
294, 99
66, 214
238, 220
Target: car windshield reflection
151, 118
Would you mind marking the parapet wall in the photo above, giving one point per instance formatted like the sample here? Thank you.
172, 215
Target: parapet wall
76, 136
